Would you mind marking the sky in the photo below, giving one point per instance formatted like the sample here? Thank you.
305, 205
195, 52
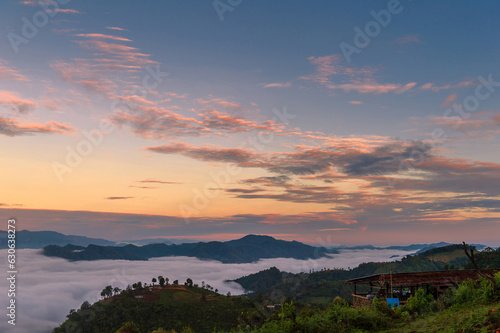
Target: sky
62, 285
327, 122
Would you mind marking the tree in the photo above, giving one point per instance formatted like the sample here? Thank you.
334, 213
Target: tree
107, 292
116, 290
189, 282
166, 281
153, 280
176, 282
161, 280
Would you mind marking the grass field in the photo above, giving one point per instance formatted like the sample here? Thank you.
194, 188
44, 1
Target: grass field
452, 321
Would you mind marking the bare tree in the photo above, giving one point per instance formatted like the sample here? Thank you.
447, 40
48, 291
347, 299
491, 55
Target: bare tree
472, 259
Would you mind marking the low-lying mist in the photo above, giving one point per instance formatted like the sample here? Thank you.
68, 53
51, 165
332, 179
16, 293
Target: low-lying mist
47, 288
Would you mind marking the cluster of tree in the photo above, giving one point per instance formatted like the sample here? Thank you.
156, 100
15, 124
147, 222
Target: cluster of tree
489, 258
161, 280
173, 312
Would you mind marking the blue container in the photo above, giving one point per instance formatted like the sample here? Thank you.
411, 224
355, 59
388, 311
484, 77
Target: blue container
392, 302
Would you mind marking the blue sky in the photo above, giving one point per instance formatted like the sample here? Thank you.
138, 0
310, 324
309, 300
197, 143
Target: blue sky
395, 139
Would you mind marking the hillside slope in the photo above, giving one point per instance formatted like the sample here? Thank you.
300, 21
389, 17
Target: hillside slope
323, 286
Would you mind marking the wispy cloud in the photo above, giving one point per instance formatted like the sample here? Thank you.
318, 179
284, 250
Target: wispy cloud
276, 85
11, 101
207, 153
333, 75
116, 28
448, 100
156, 181
67, 11
11, 127
104, 36
436, 88
9, 73
119, 198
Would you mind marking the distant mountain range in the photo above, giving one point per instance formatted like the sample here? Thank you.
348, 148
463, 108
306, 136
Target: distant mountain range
26, 239
248, 249
419, 248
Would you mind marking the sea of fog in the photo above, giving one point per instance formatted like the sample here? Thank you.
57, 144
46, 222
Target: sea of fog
47, 288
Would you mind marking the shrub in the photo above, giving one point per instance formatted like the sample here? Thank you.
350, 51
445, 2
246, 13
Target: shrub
491, 293
467, 294
421, 303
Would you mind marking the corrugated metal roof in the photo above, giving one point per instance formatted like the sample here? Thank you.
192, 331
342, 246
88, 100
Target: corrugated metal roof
417, 278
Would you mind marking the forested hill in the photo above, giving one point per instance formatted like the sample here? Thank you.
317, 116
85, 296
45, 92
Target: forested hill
245, 250
322, 286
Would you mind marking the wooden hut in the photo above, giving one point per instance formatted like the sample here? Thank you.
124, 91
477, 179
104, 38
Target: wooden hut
403, 285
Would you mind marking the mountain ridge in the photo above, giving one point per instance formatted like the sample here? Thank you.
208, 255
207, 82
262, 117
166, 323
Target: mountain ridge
248, 249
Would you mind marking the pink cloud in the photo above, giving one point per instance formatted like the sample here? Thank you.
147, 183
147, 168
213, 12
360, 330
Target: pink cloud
220, 102
10, 127
116, 28
431, 86
122, 52
361, 79
277, 85
103, 36
207, 153
9, 73
156, 122
67, 11
12, 101
214, 119
370, 86
448, 100
83, 74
